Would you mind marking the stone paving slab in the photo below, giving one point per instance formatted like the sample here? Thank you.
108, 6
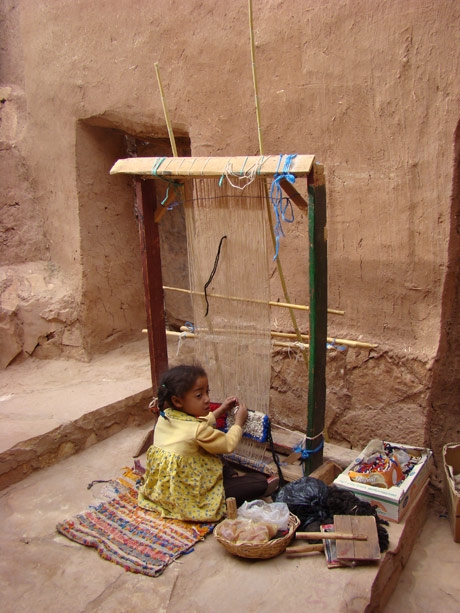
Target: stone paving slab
37, 396
52, 409
41, 567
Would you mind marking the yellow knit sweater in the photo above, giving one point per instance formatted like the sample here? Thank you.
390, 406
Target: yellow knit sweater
183, 479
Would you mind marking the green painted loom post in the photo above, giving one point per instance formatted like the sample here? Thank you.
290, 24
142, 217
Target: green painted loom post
318, 316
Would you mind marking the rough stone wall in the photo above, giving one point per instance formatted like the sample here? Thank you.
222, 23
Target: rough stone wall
370, 88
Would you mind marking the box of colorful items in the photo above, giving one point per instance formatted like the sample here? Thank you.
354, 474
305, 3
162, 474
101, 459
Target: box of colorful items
389, 476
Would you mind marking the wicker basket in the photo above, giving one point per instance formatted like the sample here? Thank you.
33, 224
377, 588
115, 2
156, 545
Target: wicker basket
260, 551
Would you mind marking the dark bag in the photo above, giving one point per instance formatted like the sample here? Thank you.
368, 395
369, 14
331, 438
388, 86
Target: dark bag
306, 498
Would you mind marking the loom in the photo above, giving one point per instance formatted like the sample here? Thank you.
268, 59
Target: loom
226, 200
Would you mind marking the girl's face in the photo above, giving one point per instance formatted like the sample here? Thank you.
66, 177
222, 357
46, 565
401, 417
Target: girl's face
196, 401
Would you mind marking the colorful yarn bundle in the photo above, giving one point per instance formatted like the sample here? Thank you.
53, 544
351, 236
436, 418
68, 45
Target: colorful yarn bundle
385, 466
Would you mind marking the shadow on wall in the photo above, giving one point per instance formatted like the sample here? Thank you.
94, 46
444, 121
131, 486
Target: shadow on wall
112, 300
444, 402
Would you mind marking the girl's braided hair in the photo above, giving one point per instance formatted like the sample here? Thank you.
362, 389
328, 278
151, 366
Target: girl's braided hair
177, 381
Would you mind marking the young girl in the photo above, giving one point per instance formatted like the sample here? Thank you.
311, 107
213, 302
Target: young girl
185, 478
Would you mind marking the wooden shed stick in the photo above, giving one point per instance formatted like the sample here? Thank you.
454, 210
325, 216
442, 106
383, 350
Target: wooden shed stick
300, 307
338, 341
188, 334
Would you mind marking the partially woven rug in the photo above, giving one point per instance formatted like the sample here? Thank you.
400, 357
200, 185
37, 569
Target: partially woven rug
123, 533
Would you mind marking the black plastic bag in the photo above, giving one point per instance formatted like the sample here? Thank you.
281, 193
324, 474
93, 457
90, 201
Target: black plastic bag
306, 498
316, 503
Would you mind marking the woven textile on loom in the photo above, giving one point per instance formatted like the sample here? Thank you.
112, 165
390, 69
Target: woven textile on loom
123, 533
257, 426
232, 321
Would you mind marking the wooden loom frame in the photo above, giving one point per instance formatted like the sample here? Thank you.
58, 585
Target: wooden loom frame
149, 215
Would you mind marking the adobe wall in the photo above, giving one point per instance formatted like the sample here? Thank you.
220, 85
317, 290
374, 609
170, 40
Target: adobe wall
370, 88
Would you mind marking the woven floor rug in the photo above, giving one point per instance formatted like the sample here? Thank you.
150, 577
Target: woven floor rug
123, 533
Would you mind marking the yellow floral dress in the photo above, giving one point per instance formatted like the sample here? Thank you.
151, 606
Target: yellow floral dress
183, 479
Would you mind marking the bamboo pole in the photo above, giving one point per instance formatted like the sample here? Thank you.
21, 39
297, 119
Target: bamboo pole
267, 197
162, 210
287, 305
165, 111
334, 341
290, 335
184, 334
305, 337
254, 78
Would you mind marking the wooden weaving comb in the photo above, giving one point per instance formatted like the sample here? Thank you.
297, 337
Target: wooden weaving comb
355, 536
356, 550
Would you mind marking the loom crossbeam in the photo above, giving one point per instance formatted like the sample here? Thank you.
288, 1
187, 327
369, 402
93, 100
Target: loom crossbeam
177, 167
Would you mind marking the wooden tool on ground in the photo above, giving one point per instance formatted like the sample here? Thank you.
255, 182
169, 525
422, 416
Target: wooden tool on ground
303, 550
318, 536
356, 550
355, 540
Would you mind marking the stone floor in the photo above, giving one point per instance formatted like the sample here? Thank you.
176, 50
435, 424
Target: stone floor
41, 569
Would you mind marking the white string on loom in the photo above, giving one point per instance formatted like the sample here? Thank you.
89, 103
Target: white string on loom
233, 341
180, 340
245, 177
251, 449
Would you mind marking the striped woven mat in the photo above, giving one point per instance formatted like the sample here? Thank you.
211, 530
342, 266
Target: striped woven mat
123, 533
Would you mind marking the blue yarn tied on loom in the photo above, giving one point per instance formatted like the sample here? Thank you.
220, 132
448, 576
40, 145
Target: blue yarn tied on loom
276, 198
306, 453
177, 186
333, 345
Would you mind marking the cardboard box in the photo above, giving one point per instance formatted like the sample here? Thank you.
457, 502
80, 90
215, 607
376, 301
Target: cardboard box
392, 503
451, 462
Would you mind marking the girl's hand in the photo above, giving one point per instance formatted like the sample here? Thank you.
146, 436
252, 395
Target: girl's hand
241, 415
226, 406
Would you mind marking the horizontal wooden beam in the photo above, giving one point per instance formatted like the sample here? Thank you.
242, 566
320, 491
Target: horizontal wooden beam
285, 305
183, 334
239, 166
187, 333
294, 337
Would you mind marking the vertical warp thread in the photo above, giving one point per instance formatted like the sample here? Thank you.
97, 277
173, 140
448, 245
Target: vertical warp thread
233, 340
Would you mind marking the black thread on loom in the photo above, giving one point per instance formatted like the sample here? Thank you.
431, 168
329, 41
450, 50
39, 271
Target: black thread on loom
216, 262
275, 456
